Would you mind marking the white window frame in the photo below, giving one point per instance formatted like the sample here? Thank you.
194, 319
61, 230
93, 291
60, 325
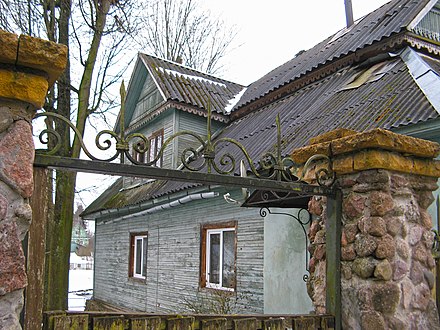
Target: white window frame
209, 232
143, 253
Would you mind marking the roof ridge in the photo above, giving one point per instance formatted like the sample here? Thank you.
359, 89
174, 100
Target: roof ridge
189, 68
325, 52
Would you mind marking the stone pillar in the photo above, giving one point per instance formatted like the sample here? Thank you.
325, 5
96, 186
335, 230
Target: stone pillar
387, 182
28, 66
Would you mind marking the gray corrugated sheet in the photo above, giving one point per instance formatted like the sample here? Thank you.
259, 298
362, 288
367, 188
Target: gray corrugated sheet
389, 19
392, 101
183, 84
101, 203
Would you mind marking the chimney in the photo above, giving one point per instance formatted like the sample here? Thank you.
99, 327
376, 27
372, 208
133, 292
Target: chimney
349, 13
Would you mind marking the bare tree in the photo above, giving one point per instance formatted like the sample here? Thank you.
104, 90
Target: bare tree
99, 34
95, 33
178, 30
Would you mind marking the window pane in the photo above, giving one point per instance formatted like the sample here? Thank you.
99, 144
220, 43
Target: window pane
138, 256
152, 149
159, 142
144, 259
214, 258
159, 145
228, 268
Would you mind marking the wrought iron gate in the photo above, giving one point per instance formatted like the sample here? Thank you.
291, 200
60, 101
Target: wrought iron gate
204, 165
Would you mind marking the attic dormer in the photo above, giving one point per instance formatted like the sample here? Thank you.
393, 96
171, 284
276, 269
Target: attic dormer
427, 25
164, 98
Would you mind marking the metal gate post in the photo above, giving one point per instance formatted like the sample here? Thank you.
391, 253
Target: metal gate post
333, 253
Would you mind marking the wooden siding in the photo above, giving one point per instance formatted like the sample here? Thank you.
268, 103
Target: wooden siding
195, 124
148, 100
165, 122
174, 258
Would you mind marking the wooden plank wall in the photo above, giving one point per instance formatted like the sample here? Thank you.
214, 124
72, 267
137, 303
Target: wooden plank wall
173, 261
103, 321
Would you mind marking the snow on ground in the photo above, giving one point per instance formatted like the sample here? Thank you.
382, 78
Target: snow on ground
80, 288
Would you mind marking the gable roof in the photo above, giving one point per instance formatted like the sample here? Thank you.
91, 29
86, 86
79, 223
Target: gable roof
191, 87
356, 98
388, 20
180, 86
385, 91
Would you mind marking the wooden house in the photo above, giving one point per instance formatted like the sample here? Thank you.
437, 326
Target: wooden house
165, 246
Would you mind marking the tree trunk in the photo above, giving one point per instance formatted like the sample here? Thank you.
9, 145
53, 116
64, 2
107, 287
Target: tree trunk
58, 242
59, 224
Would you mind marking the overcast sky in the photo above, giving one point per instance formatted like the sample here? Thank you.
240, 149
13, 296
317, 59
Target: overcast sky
271, 32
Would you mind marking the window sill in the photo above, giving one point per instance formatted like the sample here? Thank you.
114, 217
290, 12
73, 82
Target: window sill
225, 290
137, 280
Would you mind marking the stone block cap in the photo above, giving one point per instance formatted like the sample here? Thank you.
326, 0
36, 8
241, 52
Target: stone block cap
29, 66
33, 53
375, 149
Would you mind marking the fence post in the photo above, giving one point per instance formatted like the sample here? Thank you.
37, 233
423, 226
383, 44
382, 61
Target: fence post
36, 251
183, 323
214, 324
333, 253
245, 324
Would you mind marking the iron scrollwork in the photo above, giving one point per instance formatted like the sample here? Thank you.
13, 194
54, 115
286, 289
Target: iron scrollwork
270, 166
304, 218
436, 244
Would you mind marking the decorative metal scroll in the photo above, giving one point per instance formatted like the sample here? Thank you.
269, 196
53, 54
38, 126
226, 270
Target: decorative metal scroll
207, 157
436, 244
304, 218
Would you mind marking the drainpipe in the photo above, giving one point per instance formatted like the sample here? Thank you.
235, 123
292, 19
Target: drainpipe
349, 13
175, 203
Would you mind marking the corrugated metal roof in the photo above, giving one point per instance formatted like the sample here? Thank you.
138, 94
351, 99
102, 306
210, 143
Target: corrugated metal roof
183, 84
392, 101
389, 19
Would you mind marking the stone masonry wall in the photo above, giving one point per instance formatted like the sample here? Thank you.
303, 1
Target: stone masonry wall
17, 153
386, 251
386, 260
28, 66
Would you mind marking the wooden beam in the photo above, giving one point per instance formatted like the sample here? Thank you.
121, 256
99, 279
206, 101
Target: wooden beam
333, 257
36, 252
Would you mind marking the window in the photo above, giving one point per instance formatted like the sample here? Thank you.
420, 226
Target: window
156, 142
218, 257
139, 156
138, 255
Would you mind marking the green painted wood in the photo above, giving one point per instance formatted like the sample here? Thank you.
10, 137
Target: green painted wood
183, 323
214, 324
305, 323
174, 243
327, 322
71, 322
333, 257
109, 323
49, 319
245, 324
273, 324
148, 323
